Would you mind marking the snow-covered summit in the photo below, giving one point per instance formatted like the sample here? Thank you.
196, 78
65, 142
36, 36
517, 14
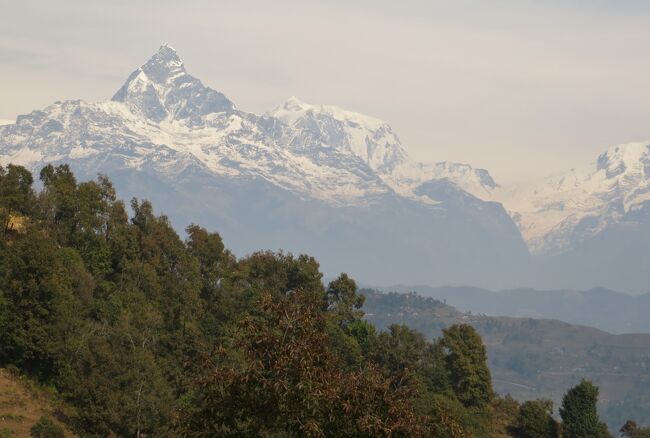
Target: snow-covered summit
631, 160
294, 109
162, 89
564, 210
317, 127
164, 118
409, 175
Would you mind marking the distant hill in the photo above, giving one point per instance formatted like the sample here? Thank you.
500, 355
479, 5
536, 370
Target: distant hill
534, 358
601, 308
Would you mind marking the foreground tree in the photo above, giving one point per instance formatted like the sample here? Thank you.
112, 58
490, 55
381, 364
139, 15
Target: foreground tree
466, 360
40, 309
579, 414
289, 383
16, 195
535, 420
343, 300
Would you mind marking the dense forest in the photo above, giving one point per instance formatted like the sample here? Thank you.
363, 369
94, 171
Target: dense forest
141, 333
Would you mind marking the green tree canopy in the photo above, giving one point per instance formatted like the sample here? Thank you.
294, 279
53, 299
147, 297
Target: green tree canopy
579, 413
291, 383
144, 333
466, 360
535, 420
16, 195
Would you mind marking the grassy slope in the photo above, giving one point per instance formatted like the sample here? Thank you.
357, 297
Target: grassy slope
21, 406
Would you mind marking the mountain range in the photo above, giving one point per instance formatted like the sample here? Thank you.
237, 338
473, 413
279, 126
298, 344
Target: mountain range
340, 185
604, 309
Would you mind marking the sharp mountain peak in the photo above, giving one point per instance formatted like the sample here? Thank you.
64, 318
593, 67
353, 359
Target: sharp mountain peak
162, 89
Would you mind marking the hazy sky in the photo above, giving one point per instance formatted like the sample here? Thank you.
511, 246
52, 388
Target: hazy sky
522, 88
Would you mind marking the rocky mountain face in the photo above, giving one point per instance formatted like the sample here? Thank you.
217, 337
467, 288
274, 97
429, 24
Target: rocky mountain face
339, 185
161, 89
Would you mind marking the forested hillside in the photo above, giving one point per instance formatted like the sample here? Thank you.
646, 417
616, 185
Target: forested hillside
140, 332
532, 358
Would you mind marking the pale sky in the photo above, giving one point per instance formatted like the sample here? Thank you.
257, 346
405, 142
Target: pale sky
522, 88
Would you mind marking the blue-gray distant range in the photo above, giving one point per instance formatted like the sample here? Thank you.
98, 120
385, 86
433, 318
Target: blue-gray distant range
339, 185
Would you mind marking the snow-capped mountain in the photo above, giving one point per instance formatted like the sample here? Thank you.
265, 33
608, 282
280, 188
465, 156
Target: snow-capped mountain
306, 178
161, 89
310, 129
563, 211
165, 118
589, 226
339, 185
